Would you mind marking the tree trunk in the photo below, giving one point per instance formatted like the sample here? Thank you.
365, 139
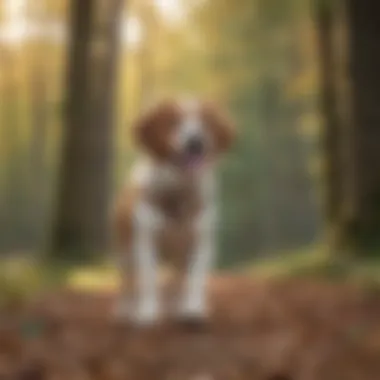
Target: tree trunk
331, 132
38, 97
364, 54
103, 121
71, 232
81, 224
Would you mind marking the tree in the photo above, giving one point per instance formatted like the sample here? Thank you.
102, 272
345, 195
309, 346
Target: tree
80, 226
352, 118
38, 67
102, 119
326, 21
362, 224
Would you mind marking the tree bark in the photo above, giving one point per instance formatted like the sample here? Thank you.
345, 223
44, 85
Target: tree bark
80, 227
364, 54
70, 232
103, 120
331, 132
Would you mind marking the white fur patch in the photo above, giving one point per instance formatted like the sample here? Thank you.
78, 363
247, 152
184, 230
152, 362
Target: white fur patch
191, 124
141, 174
194, 301
147, 220
149, 175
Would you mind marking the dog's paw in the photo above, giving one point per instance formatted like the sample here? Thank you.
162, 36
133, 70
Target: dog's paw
193, 315
193, 309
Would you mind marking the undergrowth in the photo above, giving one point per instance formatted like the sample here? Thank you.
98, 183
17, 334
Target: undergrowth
21, 279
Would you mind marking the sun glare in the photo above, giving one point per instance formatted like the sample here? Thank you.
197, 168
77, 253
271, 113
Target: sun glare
16, 27
131, 32
172, 10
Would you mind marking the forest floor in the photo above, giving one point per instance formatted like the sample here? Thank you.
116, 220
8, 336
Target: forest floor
289, 329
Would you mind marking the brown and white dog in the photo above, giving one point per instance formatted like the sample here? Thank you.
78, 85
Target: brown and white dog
168, 207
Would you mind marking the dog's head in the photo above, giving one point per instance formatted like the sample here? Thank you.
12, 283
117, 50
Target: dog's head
187, 133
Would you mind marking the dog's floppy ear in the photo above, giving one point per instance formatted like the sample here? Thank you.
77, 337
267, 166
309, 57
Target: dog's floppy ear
143, 128
152, 129
221, 125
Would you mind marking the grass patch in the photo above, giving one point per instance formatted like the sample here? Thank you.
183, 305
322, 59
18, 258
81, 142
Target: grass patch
318, 264
19, 279
23, 278
101, 277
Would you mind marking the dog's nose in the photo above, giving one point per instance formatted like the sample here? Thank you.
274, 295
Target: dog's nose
195, 145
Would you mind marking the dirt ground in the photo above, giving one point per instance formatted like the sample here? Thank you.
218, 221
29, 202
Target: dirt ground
270, 330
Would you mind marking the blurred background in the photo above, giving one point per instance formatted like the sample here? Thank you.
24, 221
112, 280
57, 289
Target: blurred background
74, 74
300, 205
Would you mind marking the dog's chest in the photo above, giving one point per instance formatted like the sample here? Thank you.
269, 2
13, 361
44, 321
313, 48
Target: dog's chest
179, 199
174, 196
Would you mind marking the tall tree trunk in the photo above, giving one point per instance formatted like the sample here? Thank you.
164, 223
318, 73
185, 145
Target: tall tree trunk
70, 230
103, 119
38, 94
331, 132
81, 224
364, 54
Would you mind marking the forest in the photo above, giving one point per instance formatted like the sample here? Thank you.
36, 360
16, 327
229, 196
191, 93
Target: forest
258, 60
299, 236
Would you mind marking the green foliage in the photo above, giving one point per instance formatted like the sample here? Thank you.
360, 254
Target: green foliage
255, 51
19, 280
316, 263
23, 278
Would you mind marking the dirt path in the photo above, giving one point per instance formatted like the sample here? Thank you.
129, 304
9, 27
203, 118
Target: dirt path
265, 331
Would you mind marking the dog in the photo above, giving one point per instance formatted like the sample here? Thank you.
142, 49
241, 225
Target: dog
168, 208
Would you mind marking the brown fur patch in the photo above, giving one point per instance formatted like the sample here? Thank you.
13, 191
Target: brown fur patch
220, 124
153, 128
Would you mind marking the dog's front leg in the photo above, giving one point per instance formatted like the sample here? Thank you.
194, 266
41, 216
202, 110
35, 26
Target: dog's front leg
194, 303
145, 256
